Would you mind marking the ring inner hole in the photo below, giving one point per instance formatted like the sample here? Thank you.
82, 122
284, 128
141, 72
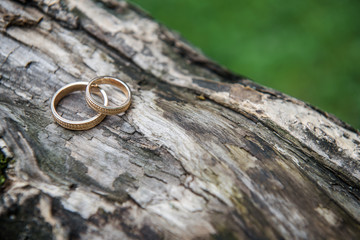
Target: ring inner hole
115, 95
74, 107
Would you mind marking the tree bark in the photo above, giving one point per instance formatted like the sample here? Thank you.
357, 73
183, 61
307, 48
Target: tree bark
201, 153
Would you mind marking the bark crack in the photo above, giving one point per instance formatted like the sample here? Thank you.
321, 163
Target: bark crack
8, 55
154, 177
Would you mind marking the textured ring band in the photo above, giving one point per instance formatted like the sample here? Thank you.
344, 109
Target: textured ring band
76, 125
108, 110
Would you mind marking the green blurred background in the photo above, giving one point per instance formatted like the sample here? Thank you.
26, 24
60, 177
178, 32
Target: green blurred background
307, 49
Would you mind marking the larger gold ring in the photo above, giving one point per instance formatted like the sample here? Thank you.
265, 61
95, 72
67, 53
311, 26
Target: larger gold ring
108, 110
76, 125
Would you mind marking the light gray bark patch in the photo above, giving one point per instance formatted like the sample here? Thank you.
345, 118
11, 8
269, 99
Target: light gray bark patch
127, 128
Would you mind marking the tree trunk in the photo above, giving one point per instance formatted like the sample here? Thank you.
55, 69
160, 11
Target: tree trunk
201, 152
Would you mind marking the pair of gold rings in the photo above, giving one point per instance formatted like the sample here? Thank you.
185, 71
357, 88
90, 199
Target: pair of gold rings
102, 109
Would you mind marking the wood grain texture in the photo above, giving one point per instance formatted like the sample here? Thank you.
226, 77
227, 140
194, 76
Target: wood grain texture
240, 162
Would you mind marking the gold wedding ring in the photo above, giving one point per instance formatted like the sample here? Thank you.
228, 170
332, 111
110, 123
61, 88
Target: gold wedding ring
102, 108
77, 125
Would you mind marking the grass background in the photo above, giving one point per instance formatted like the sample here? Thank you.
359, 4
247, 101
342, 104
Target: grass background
307, 49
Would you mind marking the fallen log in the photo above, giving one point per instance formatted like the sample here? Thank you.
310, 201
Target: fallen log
201, 152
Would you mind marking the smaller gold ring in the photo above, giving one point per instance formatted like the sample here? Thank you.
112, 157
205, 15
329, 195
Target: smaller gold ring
76, 125
108, 110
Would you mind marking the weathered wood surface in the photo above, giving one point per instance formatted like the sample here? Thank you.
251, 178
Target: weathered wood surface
241, 161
